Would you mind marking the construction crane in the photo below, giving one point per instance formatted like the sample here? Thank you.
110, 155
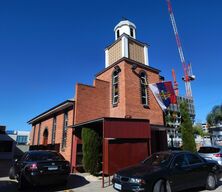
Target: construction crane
188, 76
175, 84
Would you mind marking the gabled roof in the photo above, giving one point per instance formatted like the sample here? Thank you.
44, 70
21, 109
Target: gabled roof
64, 105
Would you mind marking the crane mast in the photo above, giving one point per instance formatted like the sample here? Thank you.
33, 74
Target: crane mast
175, 84
188, 76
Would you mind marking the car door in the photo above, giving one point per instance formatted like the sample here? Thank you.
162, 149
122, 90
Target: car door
198, 169
179, 173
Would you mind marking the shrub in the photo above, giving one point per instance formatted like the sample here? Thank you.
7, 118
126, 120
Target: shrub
187, 129
90, 147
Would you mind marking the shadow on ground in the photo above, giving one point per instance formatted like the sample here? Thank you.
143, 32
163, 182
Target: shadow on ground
74, 181
4, 167
201, 189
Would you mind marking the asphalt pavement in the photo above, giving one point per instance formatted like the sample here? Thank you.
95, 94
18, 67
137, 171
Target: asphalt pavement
77, 183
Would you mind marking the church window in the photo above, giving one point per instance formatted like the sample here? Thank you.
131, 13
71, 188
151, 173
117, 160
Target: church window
117, 33
115, 86
53, 130
131, 32
143, 85
65, 127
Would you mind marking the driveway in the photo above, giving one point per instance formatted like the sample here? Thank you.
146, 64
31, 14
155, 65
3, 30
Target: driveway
77, 183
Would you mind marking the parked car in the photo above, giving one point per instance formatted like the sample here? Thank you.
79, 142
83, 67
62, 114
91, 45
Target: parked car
168, 172
40, 168
211, 153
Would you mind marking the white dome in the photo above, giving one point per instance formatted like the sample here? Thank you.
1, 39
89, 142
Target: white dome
125, 22
126, 27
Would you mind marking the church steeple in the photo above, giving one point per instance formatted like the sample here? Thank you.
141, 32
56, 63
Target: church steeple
126, 45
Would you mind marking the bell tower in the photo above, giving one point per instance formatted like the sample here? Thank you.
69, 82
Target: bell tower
126, 45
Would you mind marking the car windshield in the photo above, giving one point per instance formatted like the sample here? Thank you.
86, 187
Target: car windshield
157, 159
44, 155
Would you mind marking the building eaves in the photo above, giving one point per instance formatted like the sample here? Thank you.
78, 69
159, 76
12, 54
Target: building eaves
132, 62
130, 38
57, 108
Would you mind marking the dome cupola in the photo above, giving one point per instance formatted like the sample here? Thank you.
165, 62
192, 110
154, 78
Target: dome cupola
127, 27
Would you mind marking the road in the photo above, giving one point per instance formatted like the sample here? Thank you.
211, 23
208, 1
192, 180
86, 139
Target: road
76, 183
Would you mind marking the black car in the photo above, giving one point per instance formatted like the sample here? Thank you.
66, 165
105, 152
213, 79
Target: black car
167, 172
40, 168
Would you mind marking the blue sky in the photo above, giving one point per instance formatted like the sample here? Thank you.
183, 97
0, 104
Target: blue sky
47, 46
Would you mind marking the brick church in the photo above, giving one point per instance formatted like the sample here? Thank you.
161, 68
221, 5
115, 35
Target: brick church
119, 105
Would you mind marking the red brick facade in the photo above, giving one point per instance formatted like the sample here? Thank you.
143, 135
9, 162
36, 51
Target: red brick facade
129, 92
93, 102
47, 123
96, 102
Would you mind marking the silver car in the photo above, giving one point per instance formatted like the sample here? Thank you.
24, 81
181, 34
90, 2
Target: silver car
211, 153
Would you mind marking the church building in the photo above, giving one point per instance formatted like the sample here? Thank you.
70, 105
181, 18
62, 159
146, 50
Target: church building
119, 105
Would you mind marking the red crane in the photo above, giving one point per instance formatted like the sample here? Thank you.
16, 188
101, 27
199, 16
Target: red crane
188, 76
175, 84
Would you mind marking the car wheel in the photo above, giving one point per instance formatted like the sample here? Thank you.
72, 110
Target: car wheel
168, 187
162, 186
12, 173
159, 186
211, 182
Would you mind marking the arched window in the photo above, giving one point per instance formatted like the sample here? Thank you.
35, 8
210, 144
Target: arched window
45, 136
115, 86
131, 32
144, 84
117, 33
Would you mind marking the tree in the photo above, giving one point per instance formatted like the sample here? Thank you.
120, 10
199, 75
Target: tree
90, 147
187, 129
197, 129
215, 116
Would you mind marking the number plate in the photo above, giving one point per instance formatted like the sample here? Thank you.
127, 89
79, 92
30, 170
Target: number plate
117, 186
52, 168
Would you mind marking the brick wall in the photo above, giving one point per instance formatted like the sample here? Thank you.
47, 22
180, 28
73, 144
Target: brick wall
47, 123
92, 102
130, 95
36, 134
120, 109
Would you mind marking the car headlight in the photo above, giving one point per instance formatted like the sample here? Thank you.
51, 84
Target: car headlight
115, 176
137, 181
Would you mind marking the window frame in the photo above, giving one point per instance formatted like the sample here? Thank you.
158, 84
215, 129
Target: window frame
65, 128
54, 124
144, 89
115, 87
131, 32
178, 156
117, 34
22, 139
197, 157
